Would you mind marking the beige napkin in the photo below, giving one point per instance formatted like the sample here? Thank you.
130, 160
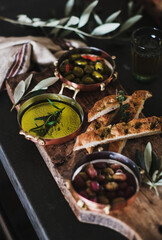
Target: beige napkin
17, 53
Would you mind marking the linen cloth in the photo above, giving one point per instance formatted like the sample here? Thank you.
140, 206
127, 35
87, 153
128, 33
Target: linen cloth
17, 53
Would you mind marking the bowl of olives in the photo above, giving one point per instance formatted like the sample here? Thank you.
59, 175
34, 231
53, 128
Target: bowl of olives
105, 181
86, 68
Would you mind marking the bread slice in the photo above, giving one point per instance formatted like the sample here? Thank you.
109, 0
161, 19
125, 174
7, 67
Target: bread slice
136, 105
105, 105
120, 131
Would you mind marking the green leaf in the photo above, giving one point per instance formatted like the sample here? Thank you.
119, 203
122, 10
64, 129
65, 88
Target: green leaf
154, 176
105, 28
68, 7
72, 21
45, 83
140, 160
158, 183
28, 81
97, 19
112, 17
156, 164
24, 18
52, 23
86, 14
147, 181
129, 23
148, 156
19, 91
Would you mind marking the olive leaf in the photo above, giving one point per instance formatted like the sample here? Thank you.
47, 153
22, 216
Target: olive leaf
129, 23
97, 19
105, 28
19, 91
159, 183
72, 21
112, 17
148, 156
152, 175
28, 81
45, 83
86, 14
66, 25
68, 7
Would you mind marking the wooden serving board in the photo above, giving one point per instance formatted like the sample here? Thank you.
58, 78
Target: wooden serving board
143, 218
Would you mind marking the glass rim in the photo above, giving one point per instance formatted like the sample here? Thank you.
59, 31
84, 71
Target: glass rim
145, 28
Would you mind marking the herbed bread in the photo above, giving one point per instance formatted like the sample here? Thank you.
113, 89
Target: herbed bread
120, 131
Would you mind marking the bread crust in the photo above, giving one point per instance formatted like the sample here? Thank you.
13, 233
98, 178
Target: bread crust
133, 129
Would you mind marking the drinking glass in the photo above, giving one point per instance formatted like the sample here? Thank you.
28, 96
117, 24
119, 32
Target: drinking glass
146, 50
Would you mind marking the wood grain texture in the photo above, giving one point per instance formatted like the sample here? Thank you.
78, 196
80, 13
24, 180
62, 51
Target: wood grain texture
142, 219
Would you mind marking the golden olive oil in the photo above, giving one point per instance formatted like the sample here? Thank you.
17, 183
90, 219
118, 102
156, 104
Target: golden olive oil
68, 123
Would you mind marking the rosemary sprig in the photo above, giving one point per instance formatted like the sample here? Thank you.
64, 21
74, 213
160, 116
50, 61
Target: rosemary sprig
50, 120
151, 166
122, 114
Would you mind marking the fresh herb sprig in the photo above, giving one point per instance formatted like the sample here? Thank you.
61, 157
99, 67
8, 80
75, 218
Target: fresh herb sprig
122, 114
49, 121
151, 166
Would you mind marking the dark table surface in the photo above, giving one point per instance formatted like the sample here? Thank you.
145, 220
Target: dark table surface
40, 196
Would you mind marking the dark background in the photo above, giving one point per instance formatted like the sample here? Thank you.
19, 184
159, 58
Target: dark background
58, 220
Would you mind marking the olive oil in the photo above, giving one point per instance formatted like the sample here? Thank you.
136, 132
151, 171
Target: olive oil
68, 123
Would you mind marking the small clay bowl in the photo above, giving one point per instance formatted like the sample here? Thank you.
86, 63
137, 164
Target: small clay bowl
43, 98
115, 203
88, 51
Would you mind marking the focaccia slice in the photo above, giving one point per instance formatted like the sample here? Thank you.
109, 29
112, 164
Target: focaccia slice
120, 131
105, 105
136, 105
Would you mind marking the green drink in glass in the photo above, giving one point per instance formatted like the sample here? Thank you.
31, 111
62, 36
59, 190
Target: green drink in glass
146, 49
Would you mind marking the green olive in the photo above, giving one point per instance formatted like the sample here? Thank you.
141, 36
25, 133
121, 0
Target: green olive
81, 62
99, 66
97, 75
87, 80
89, 68
77, 80
70, 77
74, 56
78, 71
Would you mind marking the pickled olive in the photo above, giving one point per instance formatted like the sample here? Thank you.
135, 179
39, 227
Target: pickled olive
90, 192
78, 71
70, 77
89, 68
104, 183
75, 56
119, 176
97, 75
109, 171
99, 66
81, 62
77, 80
111, 186
88, 80
83, 175
103, 199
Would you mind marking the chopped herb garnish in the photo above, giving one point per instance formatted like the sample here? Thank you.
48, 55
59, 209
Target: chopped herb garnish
120, 97
49, 120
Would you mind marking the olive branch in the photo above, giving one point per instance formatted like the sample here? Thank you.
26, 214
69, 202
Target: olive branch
108, 28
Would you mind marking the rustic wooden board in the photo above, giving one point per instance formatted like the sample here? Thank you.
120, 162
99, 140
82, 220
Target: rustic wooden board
142, 219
